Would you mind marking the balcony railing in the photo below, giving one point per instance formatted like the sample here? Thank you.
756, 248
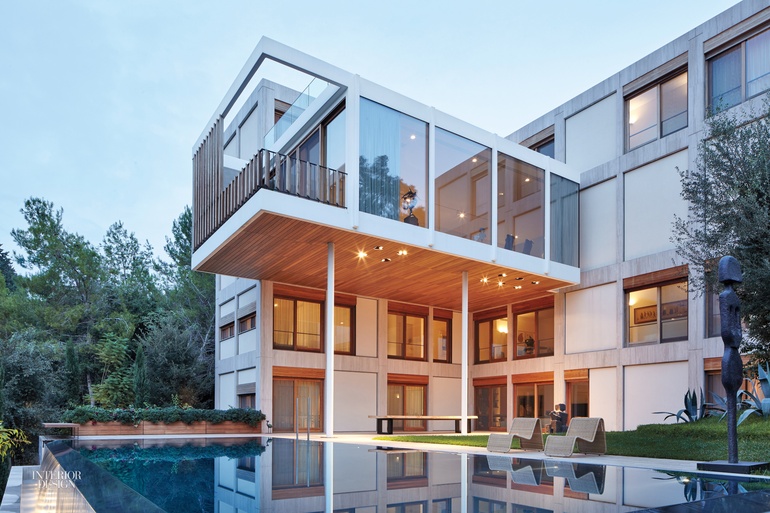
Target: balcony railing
212, 205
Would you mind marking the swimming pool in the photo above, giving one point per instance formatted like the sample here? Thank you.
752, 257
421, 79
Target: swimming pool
295, 476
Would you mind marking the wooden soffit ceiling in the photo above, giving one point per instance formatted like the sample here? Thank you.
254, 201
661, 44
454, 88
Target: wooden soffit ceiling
293, 251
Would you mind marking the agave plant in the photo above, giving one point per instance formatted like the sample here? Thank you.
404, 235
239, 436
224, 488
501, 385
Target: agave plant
692, 410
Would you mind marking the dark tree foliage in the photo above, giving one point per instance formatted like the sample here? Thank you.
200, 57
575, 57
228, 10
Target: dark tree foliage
729, 214
6, 270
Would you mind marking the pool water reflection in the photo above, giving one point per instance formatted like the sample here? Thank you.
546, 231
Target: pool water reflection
285, 475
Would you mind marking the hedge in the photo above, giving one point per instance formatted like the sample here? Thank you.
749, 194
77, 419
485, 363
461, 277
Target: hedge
168, 415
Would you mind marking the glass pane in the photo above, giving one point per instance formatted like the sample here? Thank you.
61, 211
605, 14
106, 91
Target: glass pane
578, 403
545, 402
500, 339
643, 316
545, 332
491, 407
393, 160
283, 405
520, 201
564, 221
713, 318
524, 400
395, 399
414, 405
283, 323
725, 79
463, 187
441, 348
758, 64
396, 335
547, 148
415, 337
673, 312
309, 393
308, 325
526, 331
643, 118
673, 104
342, 329
334, 146
482, 341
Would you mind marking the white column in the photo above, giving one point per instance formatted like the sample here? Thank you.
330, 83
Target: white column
329, 337
464, 482
329, 475
464, 358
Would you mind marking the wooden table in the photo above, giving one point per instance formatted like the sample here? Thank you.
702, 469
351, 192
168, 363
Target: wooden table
388, 419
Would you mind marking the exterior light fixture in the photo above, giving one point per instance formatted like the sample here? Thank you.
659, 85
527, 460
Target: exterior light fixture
386, 259
502, 275
535, 283
402, 252
408, 202
413, 137
461, 215
484, 280
517, 287
362, 254
378, 248
500, 283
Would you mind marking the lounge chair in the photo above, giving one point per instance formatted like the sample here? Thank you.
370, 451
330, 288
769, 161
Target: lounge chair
526, 429
586, 432
527, 472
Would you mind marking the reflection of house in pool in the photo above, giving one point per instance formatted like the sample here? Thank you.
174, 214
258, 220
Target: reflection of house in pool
539, 270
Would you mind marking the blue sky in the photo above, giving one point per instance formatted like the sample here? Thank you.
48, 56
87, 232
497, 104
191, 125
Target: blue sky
101, 101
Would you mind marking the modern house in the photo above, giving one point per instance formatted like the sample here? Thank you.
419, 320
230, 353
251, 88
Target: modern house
376, 256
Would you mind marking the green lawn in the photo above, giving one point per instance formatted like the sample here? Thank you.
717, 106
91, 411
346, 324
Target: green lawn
705, 440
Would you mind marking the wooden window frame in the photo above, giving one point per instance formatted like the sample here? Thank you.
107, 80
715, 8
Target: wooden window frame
227, 331
491, 319
311, 375
448, 321
405, 380
405, 315
658, 305
247, 323
352, 310
536, 346
294, 346
657, 86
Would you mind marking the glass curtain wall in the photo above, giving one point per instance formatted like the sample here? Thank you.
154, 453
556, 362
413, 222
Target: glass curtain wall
520, 202
564, 221
393, 161
463, 187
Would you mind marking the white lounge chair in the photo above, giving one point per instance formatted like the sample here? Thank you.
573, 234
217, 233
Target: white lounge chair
527, 430
586, 432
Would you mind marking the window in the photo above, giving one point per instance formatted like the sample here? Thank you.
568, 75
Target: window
533, 400
407, 399
406, 336
491, 407
520, 206
657, 112
227, 331
713, 317
297, 324
298, 470
296, 393
247, 401
407, 470
344, 331
657, 314
577, 398
492, 340
247, 323
534, 334
547, 148
740, 73
442, 340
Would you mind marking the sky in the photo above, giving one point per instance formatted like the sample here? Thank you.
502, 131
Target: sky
101, 101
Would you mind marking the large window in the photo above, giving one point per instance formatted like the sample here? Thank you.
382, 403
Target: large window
407, 399
657, 314
406, 336
534, 334
520, 206
227, 331
740, 72
565, 221
442, 340
298, 469
492, 340
534, 400
297, 324
463, 187
393, 161
302, 398
657, 112
491, 407
407, 470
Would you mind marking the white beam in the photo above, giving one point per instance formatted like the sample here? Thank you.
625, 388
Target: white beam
329, 337
464, 358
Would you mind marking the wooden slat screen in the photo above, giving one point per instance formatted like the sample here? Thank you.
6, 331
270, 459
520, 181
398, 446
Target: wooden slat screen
655, 278
576, 375
489, 381
298, 372
408, 379
533, 377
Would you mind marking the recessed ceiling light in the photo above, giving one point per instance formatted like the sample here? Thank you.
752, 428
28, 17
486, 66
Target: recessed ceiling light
386, 259
517, 287
519, 278
362, 254
402, 252
535, 282
461, 215
474, 159
501, 194
484, 280
502, 275
413, 137
378, 248
500, 283
526, 179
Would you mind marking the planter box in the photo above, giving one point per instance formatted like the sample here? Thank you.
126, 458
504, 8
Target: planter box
175, 428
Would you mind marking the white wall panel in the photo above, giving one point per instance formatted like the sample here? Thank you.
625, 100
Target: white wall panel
592, 135
247, 341
598, 225
603, 395
366, 327
652, 197
649, 388
355, 398
225, 280
247, 376
349, 460
592, 319
444, 399
227, 308
250, 296
227, 397
227, 348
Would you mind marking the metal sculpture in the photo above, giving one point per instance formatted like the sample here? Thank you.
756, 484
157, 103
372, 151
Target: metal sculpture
732, 365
